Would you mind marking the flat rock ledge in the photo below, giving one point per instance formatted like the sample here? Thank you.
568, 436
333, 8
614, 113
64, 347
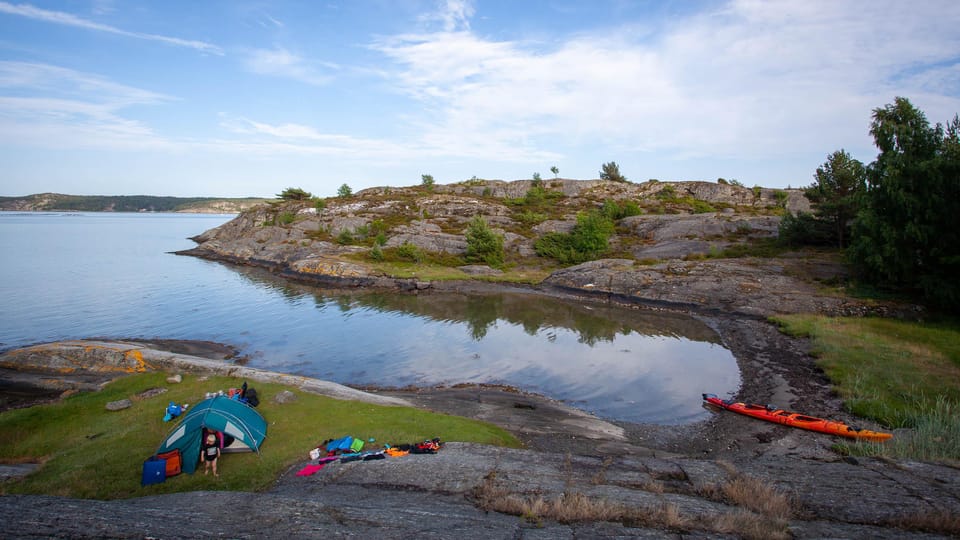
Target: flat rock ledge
443, 495
67, 358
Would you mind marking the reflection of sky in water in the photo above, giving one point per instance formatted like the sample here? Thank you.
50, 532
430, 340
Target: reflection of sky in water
635, 377
110, 275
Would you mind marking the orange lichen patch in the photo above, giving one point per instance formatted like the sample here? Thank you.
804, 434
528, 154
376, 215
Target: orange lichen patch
139, 364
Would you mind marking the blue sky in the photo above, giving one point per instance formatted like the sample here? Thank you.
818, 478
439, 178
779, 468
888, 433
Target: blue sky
246, 98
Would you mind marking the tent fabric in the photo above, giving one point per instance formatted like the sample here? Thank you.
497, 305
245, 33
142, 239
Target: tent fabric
219, 413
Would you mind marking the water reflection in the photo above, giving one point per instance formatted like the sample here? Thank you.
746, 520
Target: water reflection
111, 275
619, 363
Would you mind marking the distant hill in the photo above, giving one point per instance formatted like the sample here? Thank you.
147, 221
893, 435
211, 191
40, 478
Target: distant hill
126, 203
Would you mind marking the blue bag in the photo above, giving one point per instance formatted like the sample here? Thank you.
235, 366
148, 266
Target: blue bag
154, 471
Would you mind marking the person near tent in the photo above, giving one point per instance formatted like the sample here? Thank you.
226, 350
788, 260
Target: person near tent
211, 452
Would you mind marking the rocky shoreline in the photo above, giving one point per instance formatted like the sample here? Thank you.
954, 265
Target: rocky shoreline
643, 466
711, 479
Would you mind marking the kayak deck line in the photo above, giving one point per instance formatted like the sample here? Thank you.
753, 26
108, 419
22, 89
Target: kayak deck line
798, 420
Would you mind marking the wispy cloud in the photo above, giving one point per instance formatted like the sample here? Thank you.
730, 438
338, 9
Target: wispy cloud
68, 19
288, 138
746, 79
452, 15
280, 62
57, 107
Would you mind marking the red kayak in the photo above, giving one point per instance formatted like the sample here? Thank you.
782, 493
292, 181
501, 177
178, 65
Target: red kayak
802, 421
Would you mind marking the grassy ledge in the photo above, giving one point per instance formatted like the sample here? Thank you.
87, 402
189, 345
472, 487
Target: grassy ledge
901, 374
89, 452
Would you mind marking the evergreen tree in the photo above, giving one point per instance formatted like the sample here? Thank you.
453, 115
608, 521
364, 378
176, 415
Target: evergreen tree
483, 245
836, 195
611, 171
294, 194
907, 235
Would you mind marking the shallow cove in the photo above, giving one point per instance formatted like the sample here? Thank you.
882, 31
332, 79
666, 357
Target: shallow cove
74, 276
621, 364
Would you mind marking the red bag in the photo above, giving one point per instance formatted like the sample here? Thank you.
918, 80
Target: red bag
173, 461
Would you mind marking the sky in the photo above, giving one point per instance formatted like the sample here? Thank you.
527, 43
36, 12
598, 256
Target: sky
239, 98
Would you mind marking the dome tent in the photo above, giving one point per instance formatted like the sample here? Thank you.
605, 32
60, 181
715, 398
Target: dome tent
218, 413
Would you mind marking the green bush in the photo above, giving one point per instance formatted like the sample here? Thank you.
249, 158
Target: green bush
617, 211
410, 252
701, 207
344, 191
804, 229
528, 217
587, 241
483, 245
286, 218
781, 197
376, 253
668, 192
345, 238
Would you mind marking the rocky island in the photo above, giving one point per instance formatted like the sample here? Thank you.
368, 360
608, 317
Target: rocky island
693, 247
672, 250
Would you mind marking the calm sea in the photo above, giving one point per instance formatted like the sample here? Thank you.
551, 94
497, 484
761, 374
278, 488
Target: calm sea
81, 275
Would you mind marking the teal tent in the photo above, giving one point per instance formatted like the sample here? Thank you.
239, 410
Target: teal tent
218, 413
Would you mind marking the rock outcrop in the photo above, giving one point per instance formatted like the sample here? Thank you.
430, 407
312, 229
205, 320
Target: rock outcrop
671, 249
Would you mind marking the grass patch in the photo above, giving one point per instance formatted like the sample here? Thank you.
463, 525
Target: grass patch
901, 374
89, 452
760, 512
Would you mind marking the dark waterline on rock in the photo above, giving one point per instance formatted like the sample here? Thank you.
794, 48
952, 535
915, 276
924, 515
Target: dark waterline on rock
81, 275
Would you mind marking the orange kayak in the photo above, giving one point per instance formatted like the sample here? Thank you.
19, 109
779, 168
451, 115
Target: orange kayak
802, 421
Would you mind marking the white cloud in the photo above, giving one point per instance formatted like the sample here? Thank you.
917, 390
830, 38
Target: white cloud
280, 62
68, 19
750, 79
63, 108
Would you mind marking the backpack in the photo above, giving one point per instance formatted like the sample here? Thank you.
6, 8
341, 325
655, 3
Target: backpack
251, 396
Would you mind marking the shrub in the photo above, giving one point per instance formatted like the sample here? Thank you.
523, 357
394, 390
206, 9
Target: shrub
376, 253
616, 211
804, 229
345, 238
587, 240
344, 191
531, 218
410, 252
426, 181
701, 207
320, 204
781, 197
286, 218
483, 245
668, 192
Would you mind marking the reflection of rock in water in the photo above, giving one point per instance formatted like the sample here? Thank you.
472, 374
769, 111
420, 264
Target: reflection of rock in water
593, 323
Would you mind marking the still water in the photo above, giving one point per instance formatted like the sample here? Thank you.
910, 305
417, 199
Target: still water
81, 275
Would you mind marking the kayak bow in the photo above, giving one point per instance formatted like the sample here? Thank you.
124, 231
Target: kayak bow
802, 421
